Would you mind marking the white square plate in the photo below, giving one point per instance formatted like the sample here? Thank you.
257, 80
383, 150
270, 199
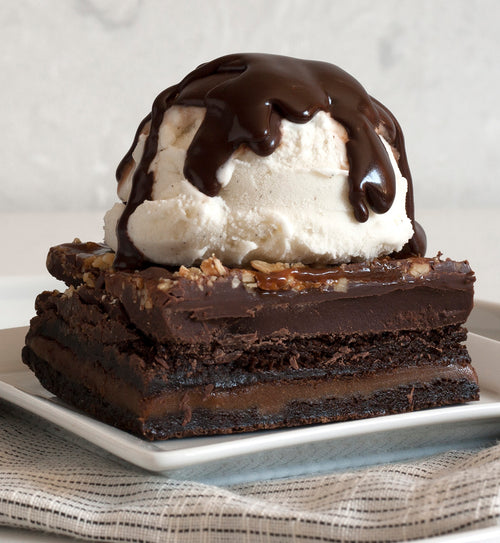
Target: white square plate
274, 453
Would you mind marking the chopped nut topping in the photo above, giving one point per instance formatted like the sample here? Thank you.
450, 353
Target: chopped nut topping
267, 267
188, 273
251, 285
103, 262
248, 279
89, 279
213, 266
69, 291
165, 284
138, 281
145, 301
341, 285
419, 269
247, 276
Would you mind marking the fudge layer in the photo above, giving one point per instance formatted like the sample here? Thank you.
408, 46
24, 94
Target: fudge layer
209, 350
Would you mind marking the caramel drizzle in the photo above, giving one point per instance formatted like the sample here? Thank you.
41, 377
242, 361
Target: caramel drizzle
246, 96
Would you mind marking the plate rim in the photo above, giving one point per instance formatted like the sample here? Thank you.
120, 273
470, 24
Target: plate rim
149, 456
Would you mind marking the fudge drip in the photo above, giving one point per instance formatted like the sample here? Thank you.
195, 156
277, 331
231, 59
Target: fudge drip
246, 96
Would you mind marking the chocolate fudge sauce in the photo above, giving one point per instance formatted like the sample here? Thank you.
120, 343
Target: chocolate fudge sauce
246, 96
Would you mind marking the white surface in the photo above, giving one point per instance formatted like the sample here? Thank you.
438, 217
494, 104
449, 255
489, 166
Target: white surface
67, 120
17, 295
287, 452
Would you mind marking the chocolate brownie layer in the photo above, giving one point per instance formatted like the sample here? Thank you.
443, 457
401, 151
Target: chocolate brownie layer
165, 353
283, 403
216, 304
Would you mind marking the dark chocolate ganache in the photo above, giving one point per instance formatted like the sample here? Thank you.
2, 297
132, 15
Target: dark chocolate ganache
246, 96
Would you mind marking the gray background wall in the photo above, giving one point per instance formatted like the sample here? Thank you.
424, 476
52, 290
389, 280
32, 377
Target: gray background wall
78, 76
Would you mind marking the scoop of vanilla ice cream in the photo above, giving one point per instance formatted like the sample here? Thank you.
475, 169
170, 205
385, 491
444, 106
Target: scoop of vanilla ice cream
289, 206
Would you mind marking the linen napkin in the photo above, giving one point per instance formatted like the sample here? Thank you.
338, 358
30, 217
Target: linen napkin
50, 484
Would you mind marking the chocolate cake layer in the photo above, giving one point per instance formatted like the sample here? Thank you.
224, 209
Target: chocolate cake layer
170, 353
206, 410
214, 303
95, 332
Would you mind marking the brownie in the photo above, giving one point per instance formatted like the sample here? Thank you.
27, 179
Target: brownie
173, 352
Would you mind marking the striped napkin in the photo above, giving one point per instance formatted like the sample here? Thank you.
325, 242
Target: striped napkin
48, 483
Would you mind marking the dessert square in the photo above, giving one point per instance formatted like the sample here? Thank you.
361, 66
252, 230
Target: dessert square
215, 350
262, 269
